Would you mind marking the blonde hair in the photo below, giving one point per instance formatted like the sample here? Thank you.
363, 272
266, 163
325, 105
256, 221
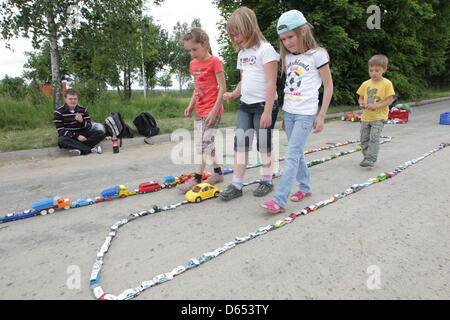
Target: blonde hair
197, 35
306, 42
379, 60
243, 20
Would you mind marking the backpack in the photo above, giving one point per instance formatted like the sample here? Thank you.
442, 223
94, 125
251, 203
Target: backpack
146, 124
115, 125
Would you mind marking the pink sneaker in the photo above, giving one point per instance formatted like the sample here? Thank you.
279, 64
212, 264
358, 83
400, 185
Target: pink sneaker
299, 195
272, 207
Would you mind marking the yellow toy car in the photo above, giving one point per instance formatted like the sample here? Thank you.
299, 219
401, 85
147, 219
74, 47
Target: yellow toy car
202, 191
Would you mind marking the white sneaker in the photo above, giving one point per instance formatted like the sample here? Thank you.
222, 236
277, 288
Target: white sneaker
74, 152
96, 149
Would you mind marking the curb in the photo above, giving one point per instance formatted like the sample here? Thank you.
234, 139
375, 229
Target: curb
54, 152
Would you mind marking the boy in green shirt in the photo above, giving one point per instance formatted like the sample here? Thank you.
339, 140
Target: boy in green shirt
375, 96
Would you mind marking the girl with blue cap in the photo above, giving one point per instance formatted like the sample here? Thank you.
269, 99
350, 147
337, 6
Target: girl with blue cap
307, 67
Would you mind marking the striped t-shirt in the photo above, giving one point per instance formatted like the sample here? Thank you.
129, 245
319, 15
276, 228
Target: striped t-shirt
65, 122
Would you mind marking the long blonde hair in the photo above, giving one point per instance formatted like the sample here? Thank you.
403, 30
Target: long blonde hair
197, 35
244, 21
306, 41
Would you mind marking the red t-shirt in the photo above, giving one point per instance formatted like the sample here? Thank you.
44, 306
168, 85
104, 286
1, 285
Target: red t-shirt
206, 87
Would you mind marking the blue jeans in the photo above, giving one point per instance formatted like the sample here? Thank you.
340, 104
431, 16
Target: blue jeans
298, 128
248, 122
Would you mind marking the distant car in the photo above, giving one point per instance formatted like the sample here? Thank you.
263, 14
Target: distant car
82, 202
352, 117
202, 191
149, 187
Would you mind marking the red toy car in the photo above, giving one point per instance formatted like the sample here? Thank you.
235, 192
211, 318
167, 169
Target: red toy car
185, 177
149, 187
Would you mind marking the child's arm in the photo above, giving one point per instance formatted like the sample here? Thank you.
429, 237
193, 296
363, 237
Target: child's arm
327, 81
386, 102
230, 96
270, 70
361, 102
220, 77
190, 108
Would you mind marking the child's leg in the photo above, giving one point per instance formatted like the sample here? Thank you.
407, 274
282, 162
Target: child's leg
365, 137
374, 140
298, 128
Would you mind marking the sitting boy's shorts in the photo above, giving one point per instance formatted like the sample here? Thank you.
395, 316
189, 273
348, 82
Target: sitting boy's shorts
248, 122
204, 135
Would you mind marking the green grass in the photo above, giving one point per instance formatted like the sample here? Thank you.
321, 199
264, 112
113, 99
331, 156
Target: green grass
27, 124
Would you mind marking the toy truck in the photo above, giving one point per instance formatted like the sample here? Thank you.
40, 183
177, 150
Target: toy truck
117, 191
123, 192
49, 205
171, 181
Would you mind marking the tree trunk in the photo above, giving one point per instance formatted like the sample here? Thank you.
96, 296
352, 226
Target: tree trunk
54, 58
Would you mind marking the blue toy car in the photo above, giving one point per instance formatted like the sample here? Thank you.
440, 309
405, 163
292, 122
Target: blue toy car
82, 202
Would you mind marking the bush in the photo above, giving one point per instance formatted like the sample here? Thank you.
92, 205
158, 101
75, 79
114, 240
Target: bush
13, 87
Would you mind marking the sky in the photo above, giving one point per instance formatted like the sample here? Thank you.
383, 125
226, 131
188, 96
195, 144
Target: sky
167, 15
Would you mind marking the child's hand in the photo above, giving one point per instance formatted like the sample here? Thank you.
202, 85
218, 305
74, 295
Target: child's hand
319, 123
228, 97
81, 138
266, 120
371, 106
211, 118
188, 111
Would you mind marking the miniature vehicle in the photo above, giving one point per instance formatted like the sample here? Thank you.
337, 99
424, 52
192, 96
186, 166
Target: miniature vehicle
123, 192
171, 181
111, 193
99, 199
49, 205
381, 177
352, 117
82, 202
185, 177
202, 191
149, 187
206, 175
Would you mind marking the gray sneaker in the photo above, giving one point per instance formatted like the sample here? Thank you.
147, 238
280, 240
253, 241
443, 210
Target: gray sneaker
74, 152
230, 192
263, 189
366, 163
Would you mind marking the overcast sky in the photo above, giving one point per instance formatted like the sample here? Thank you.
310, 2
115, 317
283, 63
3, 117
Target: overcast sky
167, 15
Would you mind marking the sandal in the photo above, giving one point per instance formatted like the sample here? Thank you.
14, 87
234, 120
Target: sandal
272, 207
299, 195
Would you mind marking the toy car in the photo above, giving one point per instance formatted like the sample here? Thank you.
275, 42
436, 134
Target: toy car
352, 117
82, 202
149, 187
202, 191
99, 199
171, 181
185, 177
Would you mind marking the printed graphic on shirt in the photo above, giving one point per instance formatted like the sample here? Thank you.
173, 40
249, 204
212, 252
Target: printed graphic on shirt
246, 61
294, 81
200, 80
371, 95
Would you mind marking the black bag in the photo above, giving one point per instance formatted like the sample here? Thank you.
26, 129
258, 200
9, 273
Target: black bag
146, 124
114, 124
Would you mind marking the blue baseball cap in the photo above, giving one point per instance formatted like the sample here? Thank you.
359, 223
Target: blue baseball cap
291, 20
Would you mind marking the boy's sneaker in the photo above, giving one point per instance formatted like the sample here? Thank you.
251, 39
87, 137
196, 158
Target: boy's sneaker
187, 185
215, 178
263, 189
366, 163
74, 152
96, 149
230, 192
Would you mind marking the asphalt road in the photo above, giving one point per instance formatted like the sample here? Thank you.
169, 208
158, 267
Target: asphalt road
389, 241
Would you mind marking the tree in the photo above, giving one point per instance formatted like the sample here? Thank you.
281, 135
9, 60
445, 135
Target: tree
165, 80
180, 58
414, 35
